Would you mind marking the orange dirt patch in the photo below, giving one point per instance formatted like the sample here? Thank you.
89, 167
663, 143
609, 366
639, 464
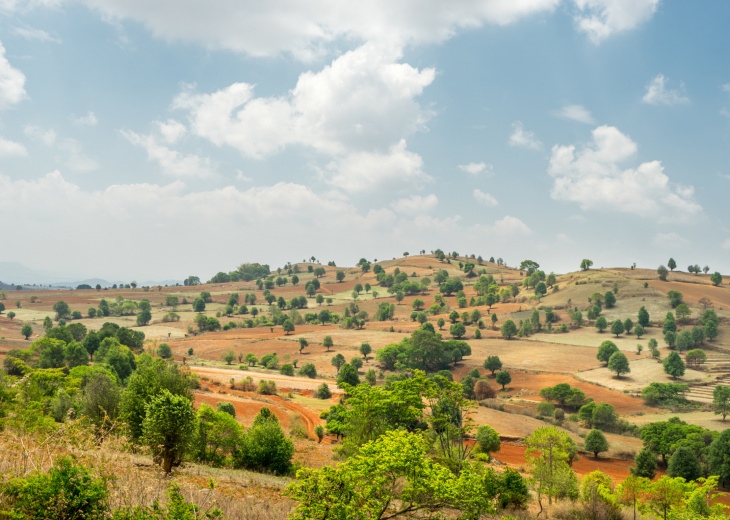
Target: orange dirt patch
529, 386
692, 292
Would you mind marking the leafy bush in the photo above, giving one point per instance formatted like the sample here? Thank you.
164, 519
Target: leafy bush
308, 370
323, 391
267, 387
287, 369
67, 491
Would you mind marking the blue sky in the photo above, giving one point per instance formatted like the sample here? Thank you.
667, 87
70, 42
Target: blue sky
164, 138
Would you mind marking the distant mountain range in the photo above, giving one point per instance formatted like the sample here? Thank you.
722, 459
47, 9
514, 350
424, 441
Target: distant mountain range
14, 273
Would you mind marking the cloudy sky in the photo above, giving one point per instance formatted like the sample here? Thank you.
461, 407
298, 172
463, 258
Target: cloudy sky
161, 138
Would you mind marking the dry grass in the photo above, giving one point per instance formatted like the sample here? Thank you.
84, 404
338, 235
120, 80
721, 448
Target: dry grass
135, 481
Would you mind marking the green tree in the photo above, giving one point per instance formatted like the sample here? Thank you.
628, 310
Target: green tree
75, 355
327, 342
508, 329
682, 312
308, 370
638, 330
601, 323
596, 442
169, 427
503, 378
662, 272
719, 457
644, 317
26, 331
337, 361
586, 264
365, 350
673, 365
606, 350
716, 278
721, 400
440, 322
619, 363
61, 309
617, 328
348, 375
684, 464
493, 363
666, 494
609, 299
457, 330
684, 341
143, 318
392, 477
198, 305
540, 289
287, 326
672, 264
488, 439
265, 446
645, 462
548, 453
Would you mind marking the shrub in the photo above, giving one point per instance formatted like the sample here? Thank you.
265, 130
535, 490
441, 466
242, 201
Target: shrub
68, 490
308, 370
323, 391
545, 409
265, 446
164, 351
287, 369
227, 407
267, 387
483, 390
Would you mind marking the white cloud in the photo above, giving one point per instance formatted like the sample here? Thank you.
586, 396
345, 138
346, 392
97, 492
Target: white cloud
308, 29
73, 154
88, 120
670, 239
11, 149
47, 137
33, 34
726, 244
476, 168
657, 93
522, 138
510, 226
75, 157
12, 82
594, 178
576, 113
415, 205
363, 100
171, 130
726, 87
171, 162
599, 19
396, 170
485, 198
563, 239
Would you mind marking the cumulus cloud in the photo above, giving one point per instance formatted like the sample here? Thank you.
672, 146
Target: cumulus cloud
12, 82
171, 162
152, 216
171, 130
309, 29
595, 179
72, 155
396, 170
11, 149
88, 120
511, 226
476, 168
576, 113
599, 19
670, 239
485, 198
415, 204
364, 100
657, 93
33, 34
524, 138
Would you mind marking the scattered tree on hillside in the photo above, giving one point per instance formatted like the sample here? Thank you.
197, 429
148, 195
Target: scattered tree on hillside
596, 442
721, 400
601, 323
645, 462
169, 427
673, 365
606, 350
327, 342
644, 317
617, 328
493, 363
586, 264
503, 378
662, 272
716, 278
508, 329
672, 264
619, 363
